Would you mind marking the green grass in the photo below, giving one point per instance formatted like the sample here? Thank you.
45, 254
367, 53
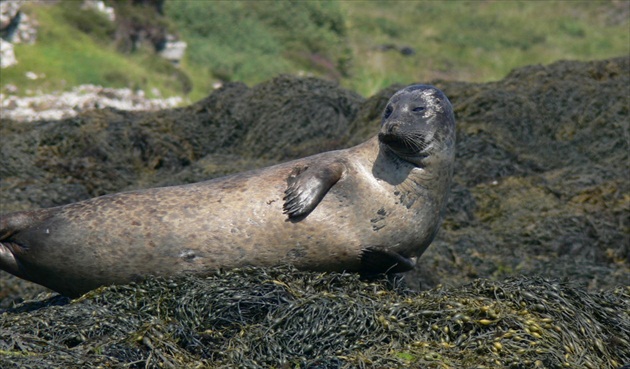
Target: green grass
476, 41
68, 58
271, 38
252, 41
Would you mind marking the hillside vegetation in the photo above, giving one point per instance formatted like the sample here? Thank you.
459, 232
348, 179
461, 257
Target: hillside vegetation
77, 46
364, 45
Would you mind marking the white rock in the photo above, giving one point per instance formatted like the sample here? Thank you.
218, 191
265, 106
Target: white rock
173, 50
11, 88
27, 30
7, 56
81, 98
100, 7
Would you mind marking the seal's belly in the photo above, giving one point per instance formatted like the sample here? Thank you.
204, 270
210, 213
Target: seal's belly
228, 223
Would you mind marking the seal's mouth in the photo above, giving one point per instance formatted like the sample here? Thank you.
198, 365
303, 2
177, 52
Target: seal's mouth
407, 145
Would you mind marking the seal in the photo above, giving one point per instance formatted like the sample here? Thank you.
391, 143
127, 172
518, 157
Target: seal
371, 208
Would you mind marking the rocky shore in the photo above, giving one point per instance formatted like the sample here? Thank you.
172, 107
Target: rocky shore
531, 268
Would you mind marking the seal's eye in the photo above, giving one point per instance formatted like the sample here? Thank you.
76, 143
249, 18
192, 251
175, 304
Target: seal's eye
419, 109
388, 112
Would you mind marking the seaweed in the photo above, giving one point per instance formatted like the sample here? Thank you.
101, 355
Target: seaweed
274, 318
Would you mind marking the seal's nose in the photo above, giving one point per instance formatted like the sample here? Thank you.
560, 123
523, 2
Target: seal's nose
392, 128
390, 132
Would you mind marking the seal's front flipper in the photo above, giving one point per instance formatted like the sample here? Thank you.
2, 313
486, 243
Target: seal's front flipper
307, 186
375, 261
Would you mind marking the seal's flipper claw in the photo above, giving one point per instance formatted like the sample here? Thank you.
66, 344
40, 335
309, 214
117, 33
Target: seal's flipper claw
307, 186
375, 261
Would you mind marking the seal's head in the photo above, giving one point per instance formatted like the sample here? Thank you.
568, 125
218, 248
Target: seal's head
418, 122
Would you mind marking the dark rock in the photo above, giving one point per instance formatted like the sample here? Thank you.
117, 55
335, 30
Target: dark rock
407, 51
8, 32
404, 50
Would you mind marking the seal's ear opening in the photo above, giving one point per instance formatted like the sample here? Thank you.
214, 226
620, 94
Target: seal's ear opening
374, 262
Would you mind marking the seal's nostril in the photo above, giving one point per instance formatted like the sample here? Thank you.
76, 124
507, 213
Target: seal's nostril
392, 128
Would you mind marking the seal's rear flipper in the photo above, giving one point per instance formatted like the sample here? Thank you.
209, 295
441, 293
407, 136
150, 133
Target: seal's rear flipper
307, 186
375, 261
10, 250
8, 261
